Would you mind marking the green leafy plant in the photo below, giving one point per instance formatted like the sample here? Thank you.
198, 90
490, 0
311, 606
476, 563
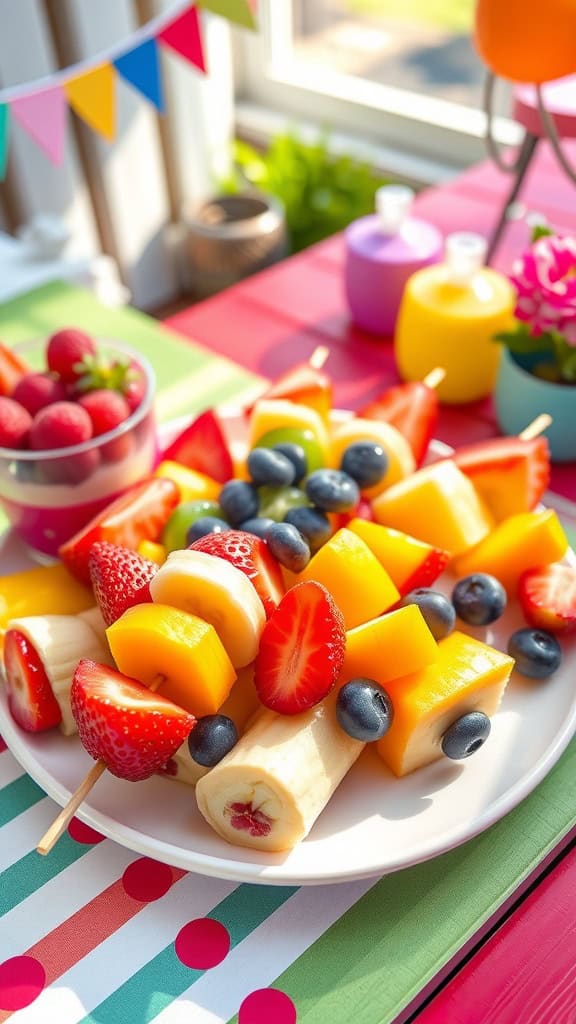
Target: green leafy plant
321, 193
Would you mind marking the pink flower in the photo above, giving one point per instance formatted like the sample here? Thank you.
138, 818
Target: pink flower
545, 279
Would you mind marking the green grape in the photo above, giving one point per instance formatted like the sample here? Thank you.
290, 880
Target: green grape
275, 502
295, 435
182, 518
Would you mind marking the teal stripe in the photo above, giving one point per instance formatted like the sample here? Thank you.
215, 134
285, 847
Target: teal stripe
32, 871
164, 978
17, 797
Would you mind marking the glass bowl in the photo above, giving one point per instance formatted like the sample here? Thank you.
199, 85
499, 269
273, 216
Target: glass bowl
49, 495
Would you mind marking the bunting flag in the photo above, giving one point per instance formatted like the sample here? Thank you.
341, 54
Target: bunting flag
93, 97
238, 11
4, 119
184, 37
43, 116
141, 69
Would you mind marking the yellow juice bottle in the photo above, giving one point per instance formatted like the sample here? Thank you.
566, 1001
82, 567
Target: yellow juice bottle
448, 317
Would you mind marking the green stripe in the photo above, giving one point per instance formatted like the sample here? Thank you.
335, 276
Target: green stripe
17, 797
32, 871
164, 978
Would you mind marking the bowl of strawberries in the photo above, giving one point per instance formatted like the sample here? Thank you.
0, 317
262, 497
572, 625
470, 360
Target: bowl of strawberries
76, 430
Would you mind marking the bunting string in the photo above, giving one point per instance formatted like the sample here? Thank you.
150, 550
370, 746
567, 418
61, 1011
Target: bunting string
89, 87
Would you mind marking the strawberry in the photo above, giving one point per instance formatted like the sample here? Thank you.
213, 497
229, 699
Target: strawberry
413, 409
303, 384
139, 514
30, 698
123, 723
106, 409
202, 446
36, 390
427, 572
363, 510
67, 351
15, 423
134, 386
12, 368
120, 579
548, 597
510, 473
60, 426
253, 557
301, 650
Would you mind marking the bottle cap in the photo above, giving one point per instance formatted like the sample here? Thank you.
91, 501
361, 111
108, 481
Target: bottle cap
393, 203
465, 254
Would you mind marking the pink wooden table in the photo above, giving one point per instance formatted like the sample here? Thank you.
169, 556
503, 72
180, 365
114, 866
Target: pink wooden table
525, 972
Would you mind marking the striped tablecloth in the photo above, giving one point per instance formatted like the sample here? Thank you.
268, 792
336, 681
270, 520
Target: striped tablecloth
94, 933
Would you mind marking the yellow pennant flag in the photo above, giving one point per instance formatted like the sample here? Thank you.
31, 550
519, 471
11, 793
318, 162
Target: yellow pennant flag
93, 97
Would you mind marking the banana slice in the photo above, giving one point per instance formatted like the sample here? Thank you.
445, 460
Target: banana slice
269, 790
93, 618
61, 641
217, 592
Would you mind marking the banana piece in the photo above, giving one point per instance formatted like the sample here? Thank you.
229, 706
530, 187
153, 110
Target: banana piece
217, 592
269, 790
61, 641
93, 618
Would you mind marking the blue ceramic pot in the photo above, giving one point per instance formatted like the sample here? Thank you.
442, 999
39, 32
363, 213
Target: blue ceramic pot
520, 397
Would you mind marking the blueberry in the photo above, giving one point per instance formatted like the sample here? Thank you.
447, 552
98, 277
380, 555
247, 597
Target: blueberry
536, 652
479, 599
289, 546
238, 501
267, 466
312, 524
437, 610
297, 456
258, 526
366, 462
364, 710
332, 490
211, 739
466, 735
204, 526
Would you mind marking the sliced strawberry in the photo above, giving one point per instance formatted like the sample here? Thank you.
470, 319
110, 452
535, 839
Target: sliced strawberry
30, 697
203, 446
305, 385
139, 514
134, 731
510, 473
120, 579
413, 409
548, 597
301, 650
427, 572
12, 369
253, 556
363, 510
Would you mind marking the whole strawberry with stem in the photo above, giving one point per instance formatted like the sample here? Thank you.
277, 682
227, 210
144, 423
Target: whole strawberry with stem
67, 351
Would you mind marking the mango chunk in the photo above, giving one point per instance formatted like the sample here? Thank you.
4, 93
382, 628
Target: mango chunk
152, 641
153, 551
277, 413
192, 485
408, 561
520, 542
46, 590
467, 675
361, 588
392, 645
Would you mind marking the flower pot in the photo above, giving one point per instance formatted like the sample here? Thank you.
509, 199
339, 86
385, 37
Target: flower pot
520, 397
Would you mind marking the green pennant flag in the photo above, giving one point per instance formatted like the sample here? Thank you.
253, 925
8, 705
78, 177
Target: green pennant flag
4, 116
238, 11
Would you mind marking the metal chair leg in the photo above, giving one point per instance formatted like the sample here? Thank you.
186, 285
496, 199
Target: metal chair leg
525, 156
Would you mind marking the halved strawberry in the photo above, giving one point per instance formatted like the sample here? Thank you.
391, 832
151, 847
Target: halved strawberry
413, 409
203, 446
30, 697
363, 510
303, 384
427, 572
548, 597
120, 579
301, 650
139, 514
511, 474
252, 555
121, 722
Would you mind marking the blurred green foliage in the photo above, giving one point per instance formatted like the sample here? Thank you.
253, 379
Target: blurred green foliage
321, 193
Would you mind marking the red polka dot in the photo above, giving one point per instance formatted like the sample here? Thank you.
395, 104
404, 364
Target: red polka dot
202, 943
83, 833
22, 979
147, 880
265, 1005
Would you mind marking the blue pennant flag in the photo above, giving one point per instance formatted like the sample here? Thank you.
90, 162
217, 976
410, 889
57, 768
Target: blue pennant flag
141, 68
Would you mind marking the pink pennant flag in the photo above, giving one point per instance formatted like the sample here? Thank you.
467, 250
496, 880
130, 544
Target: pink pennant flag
43, 116
183, 35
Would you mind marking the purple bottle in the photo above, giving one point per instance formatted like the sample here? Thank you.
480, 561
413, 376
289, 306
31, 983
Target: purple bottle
382, 252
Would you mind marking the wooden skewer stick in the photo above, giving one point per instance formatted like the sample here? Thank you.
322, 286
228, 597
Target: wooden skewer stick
319, 357
60, 824
435, 377
537, 427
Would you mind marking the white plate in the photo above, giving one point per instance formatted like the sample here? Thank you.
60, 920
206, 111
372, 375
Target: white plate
374, 824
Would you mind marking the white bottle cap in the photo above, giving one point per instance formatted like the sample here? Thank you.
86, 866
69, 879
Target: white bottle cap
393, 203
465, 254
